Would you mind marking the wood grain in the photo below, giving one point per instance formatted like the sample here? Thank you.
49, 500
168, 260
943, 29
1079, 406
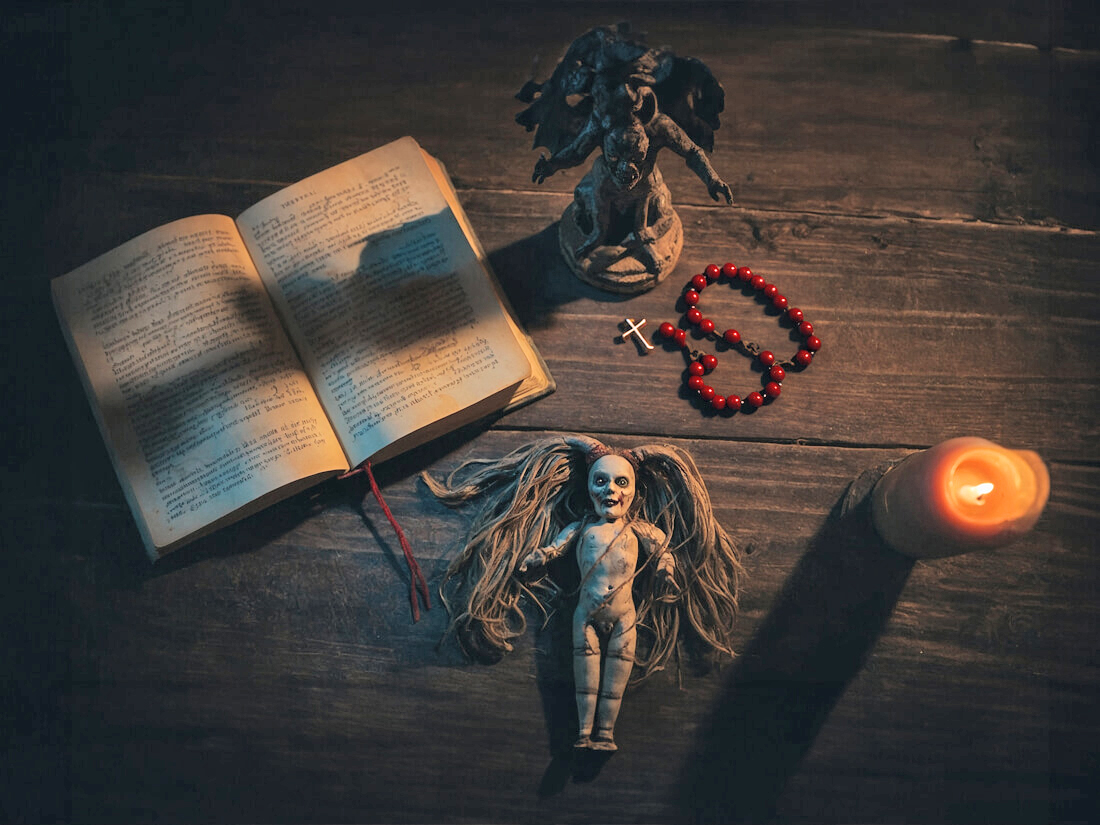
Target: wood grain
829, 120
281, 652
919, 178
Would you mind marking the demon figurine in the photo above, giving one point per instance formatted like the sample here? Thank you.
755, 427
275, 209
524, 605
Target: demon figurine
621, 233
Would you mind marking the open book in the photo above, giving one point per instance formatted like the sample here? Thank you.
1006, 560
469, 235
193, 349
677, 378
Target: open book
344, 319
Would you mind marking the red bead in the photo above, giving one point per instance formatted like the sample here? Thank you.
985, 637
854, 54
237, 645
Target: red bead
703, 363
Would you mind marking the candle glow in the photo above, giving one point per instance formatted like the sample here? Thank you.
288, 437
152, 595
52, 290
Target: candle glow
976, 493
964, 494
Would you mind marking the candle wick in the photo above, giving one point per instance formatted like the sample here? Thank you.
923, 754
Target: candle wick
981, 491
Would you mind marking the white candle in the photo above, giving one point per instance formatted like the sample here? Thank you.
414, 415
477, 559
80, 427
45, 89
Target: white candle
964, 494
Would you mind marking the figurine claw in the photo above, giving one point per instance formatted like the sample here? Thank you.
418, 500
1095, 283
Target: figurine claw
721, 191
543, 169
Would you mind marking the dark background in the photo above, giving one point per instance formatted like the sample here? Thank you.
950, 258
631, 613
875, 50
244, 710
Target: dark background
921, 177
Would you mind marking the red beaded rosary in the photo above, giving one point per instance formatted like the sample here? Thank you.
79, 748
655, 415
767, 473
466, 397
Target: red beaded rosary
701, 363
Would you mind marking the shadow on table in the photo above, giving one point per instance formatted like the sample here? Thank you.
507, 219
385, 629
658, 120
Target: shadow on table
536, 278
554, 668
779, 693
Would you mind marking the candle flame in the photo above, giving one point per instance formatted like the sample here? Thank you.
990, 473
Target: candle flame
976, 493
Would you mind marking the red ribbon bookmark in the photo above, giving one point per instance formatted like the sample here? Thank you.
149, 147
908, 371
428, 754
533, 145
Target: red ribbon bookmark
417, 582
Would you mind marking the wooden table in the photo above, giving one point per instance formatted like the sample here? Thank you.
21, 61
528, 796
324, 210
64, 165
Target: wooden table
923, 180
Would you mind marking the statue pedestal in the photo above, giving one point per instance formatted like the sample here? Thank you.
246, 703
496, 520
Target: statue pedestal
628, 268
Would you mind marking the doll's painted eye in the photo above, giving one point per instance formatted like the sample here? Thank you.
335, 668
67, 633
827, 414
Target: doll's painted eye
623, 481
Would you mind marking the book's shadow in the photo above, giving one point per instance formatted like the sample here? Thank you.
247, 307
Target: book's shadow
780, 691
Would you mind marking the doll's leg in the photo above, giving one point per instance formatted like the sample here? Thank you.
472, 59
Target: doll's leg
616, 674
586, 677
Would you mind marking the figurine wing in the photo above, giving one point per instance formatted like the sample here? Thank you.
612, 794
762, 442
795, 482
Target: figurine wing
689, 94
555, 120
560, 107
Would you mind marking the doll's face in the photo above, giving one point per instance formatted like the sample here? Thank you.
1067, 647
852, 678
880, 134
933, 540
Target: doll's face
611, 487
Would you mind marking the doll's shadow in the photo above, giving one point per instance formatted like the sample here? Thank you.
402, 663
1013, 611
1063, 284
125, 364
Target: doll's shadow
579, 766
555, 679
554, 672
780, 691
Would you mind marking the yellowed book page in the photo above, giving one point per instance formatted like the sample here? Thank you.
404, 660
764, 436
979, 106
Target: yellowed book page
540, 381
199, 394
384, 298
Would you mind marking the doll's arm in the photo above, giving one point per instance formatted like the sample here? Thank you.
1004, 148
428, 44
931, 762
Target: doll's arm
653, 542
541, 555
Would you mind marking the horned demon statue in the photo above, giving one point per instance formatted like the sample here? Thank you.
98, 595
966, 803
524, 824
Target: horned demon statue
654, 565
621, 232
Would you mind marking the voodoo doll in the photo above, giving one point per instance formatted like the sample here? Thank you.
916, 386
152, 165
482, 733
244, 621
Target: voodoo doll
654, 564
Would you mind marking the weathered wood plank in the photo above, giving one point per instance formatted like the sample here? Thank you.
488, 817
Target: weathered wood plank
903, 306
817, 119
283, 649
929, 200
931, 329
